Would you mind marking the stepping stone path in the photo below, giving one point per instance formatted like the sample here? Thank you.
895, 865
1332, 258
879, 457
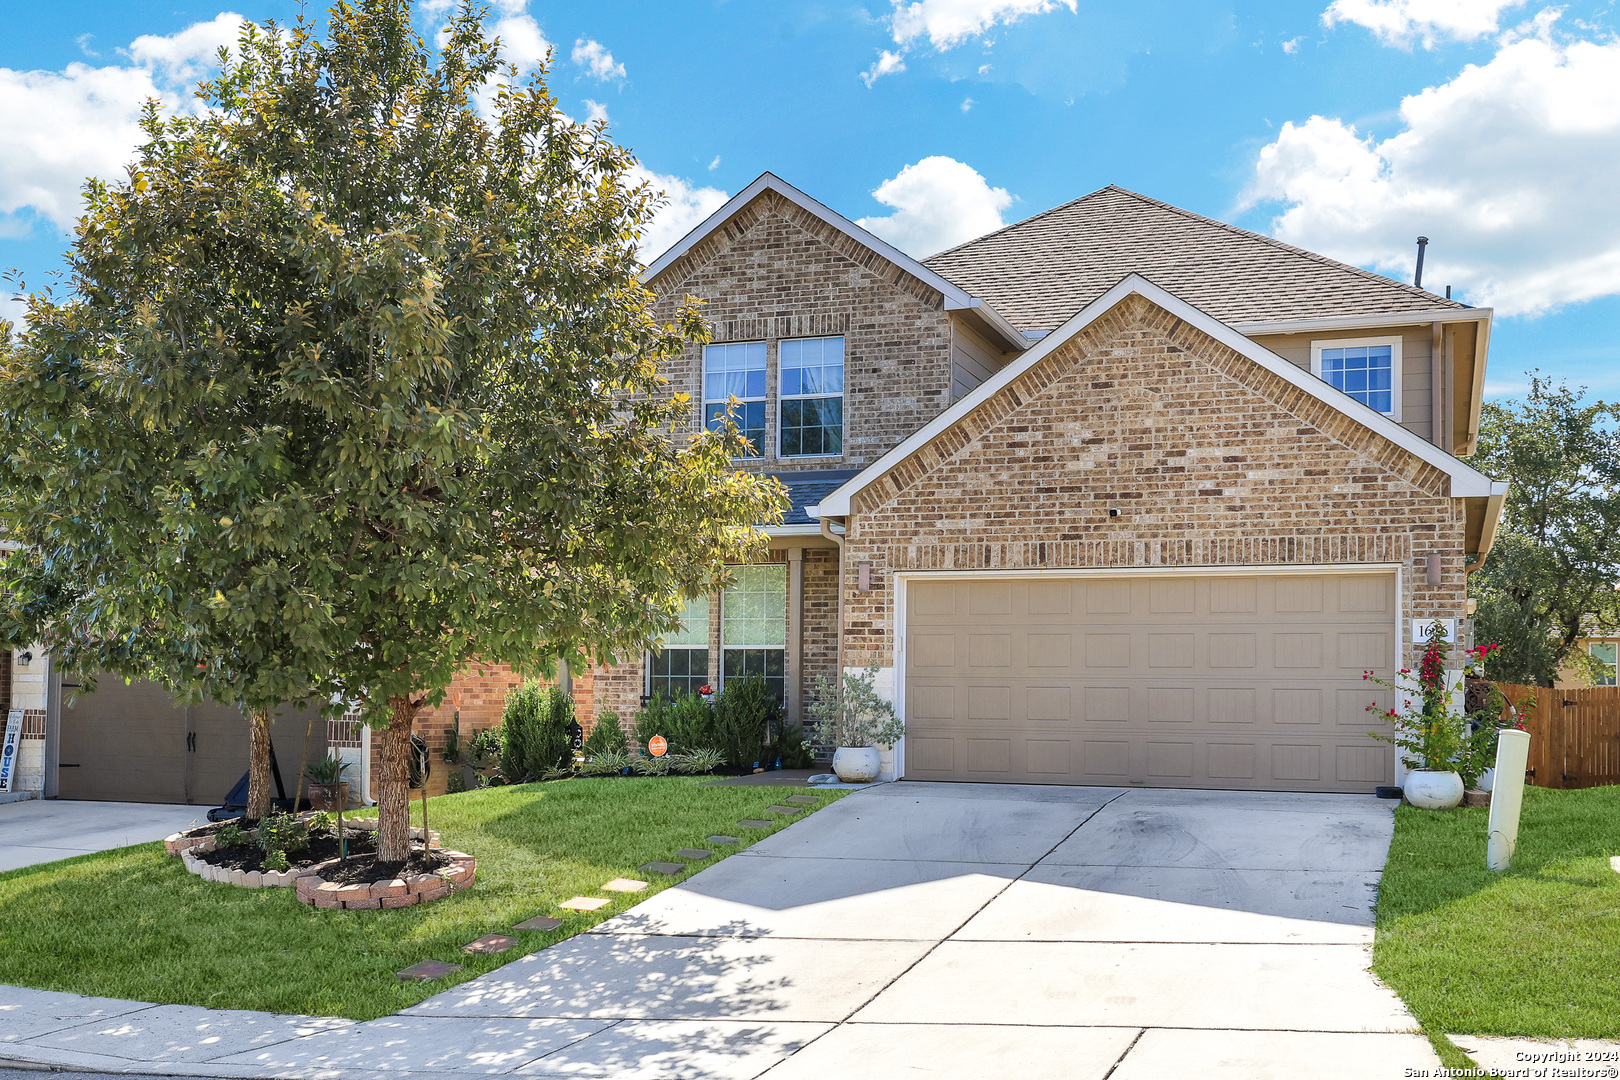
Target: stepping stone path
755, 823
783, 809
692, 854
490, 943
802, 800
585, 903
624, 884
718, 839
427, 970
668, 869
539, 922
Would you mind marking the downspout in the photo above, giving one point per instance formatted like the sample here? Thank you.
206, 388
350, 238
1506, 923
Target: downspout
365, 765
826, 531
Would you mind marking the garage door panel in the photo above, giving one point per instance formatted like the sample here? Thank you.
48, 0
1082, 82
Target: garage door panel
1256, 679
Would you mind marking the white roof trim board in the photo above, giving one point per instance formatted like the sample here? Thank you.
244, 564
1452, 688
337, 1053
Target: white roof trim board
955, 298
1466, 482
1356, 322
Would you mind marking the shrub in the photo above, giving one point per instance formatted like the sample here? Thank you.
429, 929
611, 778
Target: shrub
853, 714
608, 763
744, 716
794, 749
278, 834
702, 761
232, 835
483, 754
686, 724
650, 766
606, 737
534, 728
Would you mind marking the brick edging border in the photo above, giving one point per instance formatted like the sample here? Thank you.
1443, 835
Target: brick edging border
188, 847
395, 893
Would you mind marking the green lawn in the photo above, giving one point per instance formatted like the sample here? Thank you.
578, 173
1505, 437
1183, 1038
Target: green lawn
1533, 951
132, 923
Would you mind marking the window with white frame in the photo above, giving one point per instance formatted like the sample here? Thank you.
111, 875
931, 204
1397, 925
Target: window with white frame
682, 665
1367, 369
810, 412
753, 625
1605, 653
736, 370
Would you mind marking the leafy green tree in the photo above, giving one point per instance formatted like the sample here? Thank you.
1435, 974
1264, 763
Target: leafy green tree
1551, 576
433, 318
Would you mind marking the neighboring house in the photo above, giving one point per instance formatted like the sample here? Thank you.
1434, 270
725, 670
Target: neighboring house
1605, 649
1115, 495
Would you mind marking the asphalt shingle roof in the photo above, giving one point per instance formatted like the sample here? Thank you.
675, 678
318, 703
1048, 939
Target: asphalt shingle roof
1040, 271
808, 489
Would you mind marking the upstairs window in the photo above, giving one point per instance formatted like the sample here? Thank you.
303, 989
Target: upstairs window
1368, 369
812, 397
682, 665
736, 370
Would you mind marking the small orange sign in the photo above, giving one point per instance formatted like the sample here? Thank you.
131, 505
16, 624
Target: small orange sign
658, 746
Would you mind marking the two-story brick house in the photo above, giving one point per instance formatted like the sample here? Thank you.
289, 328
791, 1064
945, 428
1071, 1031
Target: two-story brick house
1117, 495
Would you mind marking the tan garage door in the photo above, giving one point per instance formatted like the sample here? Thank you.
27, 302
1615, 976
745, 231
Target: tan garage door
131, 742
1214, 680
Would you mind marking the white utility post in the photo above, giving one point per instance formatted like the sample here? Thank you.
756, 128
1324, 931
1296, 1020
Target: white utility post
1507, 796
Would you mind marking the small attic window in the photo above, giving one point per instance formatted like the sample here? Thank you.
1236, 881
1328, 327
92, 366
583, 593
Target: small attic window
1367, 369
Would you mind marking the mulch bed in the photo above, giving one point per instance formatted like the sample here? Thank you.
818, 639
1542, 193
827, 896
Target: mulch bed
323, 845
364, 869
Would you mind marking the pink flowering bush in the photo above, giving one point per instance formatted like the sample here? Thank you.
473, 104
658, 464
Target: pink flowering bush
1431, 733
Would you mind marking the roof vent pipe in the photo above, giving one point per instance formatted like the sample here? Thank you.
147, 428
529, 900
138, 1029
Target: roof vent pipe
1417, 278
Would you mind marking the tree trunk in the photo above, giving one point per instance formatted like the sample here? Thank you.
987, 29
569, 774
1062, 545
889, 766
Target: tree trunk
258, 801
394, 784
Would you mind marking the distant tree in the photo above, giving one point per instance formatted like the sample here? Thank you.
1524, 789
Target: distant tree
413, 285
1551, 577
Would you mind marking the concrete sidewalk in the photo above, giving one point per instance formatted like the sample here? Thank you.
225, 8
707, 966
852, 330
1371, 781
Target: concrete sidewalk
44, 830
913, 929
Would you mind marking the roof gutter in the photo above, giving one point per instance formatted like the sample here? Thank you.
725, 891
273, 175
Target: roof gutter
1358, 322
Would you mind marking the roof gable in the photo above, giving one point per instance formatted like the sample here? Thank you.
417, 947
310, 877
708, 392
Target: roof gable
955, 298
1040, 271
1465, 481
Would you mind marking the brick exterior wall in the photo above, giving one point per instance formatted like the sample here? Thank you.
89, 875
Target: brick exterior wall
1210, 459
774, 271
820, 621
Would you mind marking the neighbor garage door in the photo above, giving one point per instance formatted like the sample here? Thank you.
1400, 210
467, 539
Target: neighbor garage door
1212, 680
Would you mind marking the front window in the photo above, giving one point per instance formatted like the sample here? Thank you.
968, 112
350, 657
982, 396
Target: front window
682, 665
1367, 369
812, 410
736, 370
1605, 653
753, 625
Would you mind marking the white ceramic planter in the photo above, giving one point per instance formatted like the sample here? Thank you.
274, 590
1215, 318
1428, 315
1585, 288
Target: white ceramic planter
860, 764
1433, 790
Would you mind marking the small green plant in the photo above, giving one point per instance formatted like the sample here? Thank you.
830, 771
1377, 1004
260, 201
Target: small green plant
328, 770
853, 714
454, 782
279, 834
452, 742
483, 756
606, 737
794, 749
232, 835
651, 766
700, 762
321, 821
610, 763
557, 772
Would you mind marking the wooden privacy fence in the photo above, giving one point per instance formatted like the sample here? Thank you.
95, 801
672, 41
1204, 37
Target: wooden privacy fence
1574, 734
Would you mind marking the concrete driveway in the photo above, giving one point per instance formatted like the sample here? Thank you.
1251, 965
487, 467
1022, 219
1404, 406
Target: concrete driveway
44, 830
938, 930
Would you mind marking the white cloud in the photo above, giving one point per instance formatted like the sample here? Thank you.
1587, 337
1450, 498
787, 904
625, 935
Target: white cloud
1291, 46
64, 126
184, 57
522, 42
937, 202
1400, 22
948, 23
596, 60
967, 103
684, 208
887, 63
594, 111
715, 164
1508, 168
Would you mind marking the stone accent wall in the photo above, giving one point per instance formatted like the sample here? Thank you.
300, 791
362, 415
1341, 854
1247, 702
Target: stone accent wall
774, 271
1210, 459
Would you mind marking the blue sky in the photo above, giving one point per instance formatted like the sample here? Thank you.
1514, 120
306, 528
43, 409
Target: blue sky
1346, 126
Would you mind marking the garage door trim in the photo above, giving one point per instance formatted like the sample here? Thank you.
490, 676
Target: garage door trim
903, 578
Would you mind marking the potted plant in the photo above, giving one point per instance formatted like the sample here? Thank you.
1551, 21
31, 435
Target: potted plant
856, 721
1443, 748
327, 791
